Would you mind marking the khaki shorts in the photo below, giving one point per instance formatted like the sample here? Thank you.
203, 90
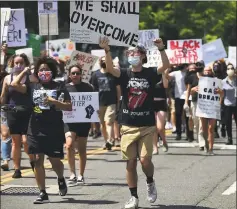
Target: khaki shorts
172, 106
107, 113
137, 142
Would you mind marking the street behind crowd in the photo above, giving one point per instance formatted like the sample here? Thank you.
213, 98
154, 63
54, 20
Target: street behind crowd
186, 178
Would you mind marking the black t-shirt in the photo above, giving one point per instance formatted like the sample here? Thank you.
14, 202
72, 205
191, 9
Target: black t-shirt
81, 87
105, 84
46, 119
160, 91
138, 95
193, 81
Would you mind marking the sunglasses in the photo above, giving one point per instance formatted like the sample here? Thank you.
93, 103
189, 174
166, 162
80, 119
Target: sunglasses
76, 73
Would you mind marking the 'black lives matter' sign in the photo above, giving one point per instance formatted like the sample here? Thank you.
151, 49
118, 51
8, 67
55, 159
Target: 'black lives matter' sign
116, 20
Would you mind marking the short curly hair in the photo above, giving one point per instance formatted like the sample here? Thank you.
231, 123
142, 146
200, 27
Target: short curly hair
23, 56
52, 64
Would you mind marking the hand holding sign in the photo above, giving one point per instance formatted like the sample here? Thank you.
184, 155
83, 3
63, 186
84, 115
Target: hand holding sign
159, 43
104, 43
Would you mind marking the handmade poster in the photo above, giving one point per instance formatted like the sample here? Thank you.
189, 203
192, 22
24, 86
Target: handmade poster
184, 51
208, 104
153, 58
85, 60
48, 24
117, 20
85, 107
5, 16
213, 51
146, 37
61, 48
99, 53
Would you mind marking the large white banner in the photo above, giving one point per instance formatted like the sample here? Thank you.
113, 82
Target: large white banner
86, 61
184, 51
208, 104
61, 48
213, 51
5, 16
146, 37
16, 35
232, 55
85, 107
117, 20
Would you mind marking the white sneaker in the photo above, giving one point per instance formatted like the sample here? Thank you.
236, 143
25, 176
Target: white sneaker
132, 203
80, 180
72, 181
151, 192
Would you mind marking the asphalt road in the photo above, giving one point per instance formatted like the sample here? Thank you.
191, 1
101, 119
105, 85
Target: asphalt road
185, 178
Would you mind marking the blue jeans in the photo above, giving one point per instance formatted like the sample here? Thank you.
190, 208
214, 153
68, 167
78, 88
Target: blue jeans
6, 148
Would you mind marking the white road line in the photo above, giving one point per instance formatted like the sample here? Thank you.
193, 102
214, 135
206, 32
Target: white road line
230, 190
195, 144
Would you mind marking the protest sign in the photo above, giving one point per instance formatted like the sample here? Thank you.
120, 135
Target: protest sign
16, 36
85, 106
28, 52
86, 61
117, 20
208, 104
213, 51
47, 7
153, 58
48, 24
61, 48
184, 51
232, 55
99, 53
5, 16
146, 37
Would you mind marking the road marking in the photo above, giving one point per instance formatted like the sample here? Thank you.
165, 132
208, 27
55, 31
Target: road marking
230, 190
195, 144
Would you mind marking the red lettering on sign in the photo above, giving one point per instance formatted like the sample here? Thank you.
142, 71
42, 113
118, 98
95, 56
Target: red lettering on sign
190, 44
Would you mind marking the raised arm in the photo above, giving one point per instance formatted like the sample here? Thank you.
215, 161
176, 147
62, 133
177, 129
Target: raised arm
165, 61
104, 44
165, 80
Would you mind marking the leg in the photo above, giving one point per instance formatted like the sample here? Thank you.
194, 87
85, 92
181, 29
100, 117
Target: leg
6, 146
173, 118
82, 142
16, 150
24, 141
160, 124
204, 124
211, 127
178, 116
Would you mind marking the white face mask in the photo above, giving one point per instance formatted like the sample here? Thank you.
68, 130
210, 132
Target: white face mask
230, 72
134, 60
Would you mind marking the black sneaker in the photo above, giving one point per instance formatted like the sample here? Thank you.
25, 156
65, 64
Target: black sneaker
17, 174
178, 138
230, 141
42, 198
201, 148
223, 133
108, 145
62, 186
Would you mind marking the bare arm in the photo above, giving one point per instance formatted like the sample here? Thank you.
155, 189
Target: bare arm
4, 91
188, 94
103, 43
165, 80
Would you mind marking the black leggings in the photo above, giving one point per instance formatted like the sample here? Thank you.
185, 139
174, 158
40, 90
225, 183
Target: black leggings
229, 112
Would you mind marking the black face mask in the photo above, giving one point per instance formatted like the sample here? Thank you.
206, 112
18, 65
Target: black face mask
103, 65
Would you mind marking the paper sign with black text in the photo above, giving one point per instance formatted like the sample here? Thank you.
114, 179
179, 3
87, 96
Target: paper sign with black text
53, 24
213, 51
16, 35
61, 48
48, 7
85, 107
232, 55
184, 51
117, 20
5, 16
146, 37
153, 58
208, 104
85, 60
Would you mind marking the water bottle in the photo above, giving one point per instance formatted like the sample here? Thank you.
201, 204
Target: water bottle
61, 97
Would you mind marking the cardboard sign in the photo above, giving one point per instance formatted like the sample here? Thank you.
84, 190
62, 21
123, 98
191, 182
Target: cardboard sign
86, 61
48, 7
5, 16
61, 48
184, 51
213, 51
117, 20
16, 36
208, 104
85, 106
153, 58
28, 52
146, 37
99, 53
232, 55
52, 21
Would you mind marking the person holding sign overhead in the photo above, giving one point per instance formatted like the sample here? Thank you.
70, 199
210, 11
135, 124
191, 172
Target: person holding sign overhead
45, 135
137, 114
76, 133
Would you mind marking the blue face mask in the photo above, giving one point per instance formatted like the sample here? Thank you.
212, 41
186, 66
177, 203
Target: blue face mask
134, 61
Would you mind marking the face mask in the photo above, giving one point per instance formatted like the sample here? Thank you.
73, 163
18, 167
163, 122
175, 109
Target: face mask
103, 65
230, 72
45, 76
134, 61
17, 69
